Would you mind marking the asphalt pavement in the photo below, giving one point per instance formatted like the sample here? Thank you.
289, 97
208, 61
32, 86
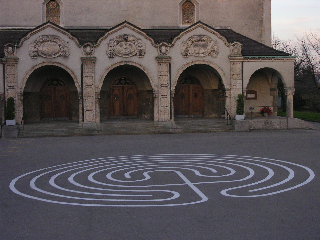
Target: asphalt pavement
222, 185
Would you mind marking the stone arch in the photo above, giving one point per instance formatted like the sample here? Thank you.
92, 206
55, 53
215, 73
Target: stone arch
199, 89
49, 91
114, 100
261, 90
122, 63
199, 62
31, 70
284, 76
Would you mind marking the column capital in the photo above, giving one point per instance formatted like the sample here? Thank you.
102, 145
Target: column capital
163, 59
88, 59
290, 91
8, 60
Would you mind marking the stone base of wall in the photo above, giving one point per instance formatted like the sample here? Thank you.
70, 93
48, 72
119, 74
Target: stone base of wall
271, 123
9, 131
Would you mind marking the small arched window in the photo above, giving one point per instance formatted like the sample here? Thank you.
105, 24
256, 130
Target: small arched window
53, 12
188, 12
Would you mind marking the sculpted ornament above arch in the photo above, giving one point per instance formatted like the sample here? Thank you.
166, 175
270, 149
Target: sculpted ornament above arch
49, 46
88, 49
199, 46
9, 50
163, 49
236, 49
126, 45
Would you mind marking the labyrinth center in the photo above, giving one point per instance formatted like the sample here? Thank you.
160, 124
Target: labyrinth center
160, 180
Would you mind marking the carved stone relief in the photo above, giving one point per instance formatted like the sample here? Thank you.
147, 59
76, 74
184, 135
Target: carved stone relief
49, 46
163, 49
199, 46
236, 70
188, 13
88, 49
236, 48
9, 50
126, 46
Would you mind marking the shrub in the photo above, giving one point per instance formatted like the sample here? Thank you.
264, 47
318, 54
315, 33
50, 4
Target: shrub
240, 104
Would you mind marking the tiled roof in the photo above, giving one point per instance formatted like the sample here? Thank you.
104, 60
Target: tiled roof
249, 47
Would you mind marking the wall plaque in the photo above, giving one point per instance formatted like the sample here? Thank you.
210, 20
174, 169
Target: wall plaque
49, 46
126, 46
199, 46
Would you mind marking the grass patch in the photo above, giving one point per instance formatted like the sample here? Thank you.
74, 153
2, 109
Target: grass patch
308, 116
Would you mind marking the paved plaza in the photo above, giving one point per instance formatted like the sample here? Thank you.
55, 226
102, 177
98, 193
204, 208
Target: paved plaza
220, 185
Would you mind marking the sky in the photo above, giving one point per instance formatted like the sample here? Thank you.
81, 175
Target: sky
293, 18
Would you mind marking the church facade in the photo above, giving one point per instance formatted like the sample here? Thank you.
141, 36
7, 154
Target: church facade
90, 61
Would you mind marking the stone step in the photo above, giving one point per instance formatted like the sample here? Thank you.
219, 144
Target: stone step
113, 127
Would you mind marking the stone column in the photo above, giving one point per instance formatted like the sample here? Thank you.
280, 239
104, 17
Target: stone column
274, 94
11, 85
162, 106
289, 93
88, 89
236, 84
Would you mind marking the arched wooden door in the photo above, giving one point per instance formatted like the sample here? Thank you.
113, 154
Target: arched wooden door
188, 99
124, 98
55, 99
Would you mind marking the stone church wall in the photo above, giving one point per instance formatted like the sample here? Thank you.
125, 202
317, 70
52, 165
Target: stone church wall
251, 18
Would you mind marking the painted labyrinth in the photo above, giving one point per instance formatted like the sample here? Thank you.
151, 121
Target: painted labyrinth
160, 180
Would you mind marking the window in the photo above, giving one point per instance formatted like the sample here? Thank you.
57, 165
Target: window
188, 12
53, 12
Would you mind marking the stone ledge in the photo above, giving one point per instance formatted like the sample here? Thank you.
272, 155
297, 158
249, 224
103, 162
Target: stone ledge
271, 123
10, 131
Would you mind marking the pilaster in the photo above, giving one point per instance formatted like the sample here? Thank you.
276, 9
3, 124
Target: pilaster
11, 84
236, 86
88, 90
162, 106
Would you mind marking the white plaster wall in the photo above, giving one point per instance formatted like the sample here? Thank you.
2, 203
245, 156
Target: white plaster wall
105, 64
260, 83
26, 63
221, 61
249, 17
285, 67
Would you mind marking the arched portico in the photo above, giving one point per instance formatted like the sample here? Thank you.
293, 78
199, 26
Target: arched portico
49, 92
199, 91
273, 70
262, 91
126, 92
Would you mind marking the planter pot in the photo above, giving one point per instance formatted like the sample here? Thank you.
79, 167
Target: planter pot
11, 122
239, 117
265, 114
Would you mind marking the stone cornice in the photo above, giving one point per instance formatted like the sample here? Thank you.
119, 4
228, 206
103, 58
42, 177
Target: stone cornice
45, 26
122, 26
269, 59
204, 27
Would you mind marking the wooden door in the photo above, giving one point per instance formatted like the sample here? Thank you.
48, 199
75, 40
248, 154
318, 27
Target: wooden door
188, 99
124, 99
55, 100
117, 101
182, 100
47, 102
130, 101
196, 99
